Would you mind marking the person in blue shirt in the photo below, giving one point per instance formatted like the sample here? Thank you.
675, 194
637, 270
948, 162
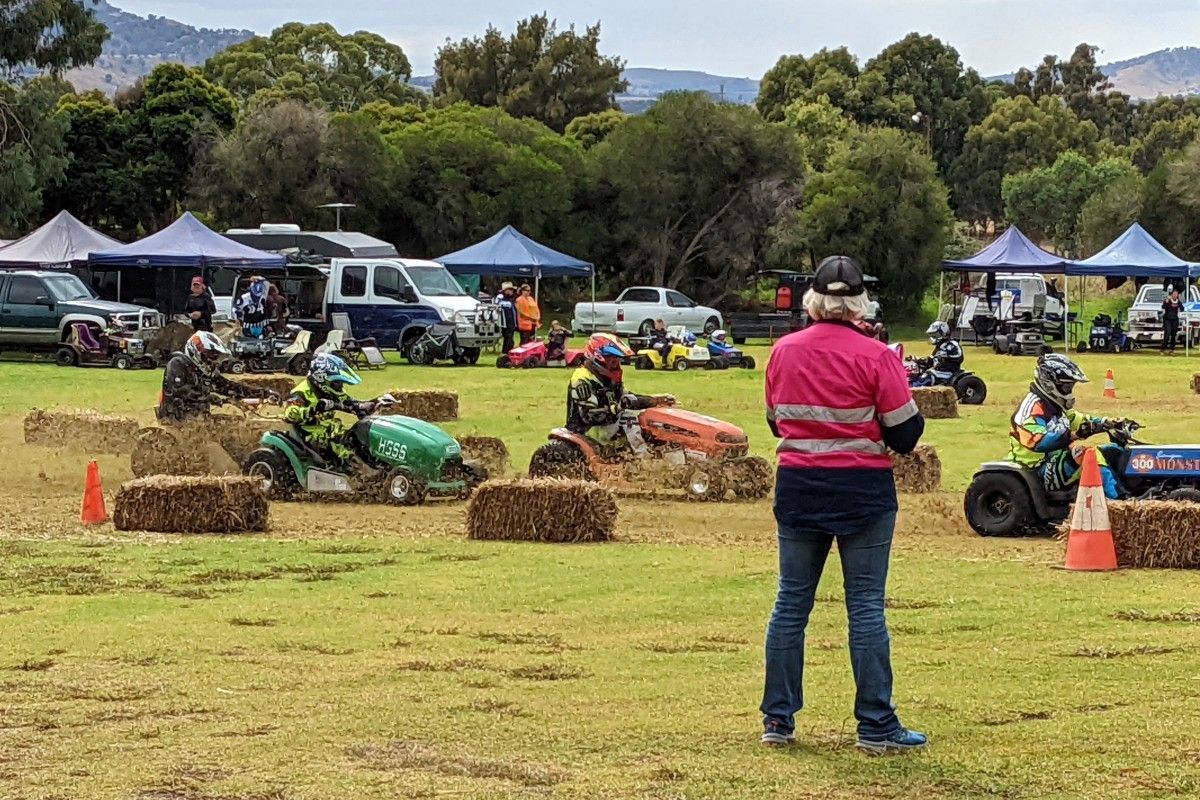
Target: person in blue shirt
507, 303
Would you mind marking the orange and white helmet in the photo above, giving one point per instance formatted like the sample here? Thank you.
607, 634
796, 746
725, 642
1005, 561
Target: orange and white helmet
604, 353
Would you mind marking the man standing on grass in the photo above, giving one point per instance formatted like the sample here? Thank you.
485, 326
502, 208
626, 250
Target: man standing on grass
837, 400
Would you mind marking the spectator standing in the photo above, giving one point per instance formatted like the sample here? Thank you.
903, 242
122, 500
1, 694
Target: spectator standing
277, 309
529, 316
199, 306
506, 302
1171, 306
837, 400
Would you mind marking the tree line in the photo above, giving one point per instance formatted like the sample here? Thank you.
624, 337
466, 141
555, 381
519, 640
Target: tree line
893, 160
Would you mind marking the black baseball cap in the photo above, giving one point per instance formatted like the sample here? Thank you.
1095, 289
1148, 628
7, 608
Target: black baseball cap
838, 276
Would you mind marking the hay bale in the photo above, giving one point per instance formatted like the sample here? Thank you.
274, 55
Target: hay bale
1156, 533
936, 402
542, 510
1196, 382
919, 472
281, 385
87, 430
175, 504
429, 406
489, 451
193, 447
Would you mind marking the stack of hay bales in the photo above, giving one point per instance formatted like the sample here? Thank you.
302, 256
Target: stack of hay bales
936, 402
489, 451
542, 510
87, 430
281, 385
918, 472
174, 504
1156, 533
429, 406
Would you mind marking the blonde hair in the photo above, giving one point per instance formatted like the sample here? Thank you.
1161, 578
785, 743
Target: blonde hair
827, 306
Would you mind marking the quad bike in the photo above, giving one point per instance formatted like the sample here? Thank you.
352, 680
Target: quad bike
703, 456
969, 387
270, 354
212, 445
1005, 498
397, 460
112, 348
726, 355
533, 354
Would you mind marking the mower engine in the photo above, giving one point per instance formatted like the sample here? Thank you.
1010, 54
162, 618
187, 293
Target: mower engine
696, 435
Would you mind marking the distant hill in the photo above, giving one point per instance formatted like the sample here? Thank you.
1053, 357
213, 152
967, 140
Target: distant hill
138, 44
647, 84
1174, 71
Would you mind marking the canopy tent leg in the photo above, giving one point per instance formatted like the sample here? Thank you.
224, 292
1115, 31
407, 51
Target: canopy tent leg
118, 286
1066, 315
537, 280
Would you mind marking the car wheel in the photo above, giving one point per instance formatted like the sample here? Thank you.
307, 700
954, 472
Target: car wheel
646, 328
998, 504
971, 390
273, 471
710, 325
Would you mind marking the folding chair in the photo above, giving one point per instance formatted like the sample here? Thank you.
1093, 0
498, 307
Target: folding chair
361, 352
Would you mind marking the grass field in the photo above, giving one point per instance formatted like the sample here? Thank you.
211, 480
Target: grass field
372, 652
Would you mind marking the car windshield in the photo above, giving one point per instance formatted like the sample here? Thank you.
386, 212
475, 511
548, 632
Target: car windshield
68, 287
1155, 295
434, 282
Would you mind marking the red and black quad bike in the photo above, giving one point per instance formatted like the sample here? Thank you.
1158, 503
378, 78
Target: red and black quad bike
705, 457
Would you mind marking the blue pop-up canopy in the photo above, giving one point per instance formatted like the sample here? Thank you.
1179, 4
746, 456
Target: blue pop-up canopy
1135, 254
186, 243
510, 252
1012, 252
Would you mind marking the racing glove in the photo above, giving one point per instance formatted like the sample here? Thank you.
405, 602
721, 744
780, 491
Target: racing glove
325, 404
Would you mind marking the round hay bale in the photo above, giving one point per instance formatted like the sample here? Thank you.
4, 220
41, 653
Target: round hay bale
87, 430
487, 450
936, 402
178, 504
542, 510
1156, 533
282, 386
918, 472
429, 406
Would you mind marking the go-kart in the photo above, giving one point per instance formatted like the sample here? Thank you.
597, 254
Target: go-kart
969, 387
272, 354
726, 355
533, 354
396, 459
704, 457
110, 348
1006, 499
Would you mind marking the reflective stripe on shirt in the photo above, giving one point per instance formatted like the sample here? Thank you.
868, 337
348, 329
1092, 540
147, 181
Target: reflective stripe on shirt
810, 413
832, 446
901, 415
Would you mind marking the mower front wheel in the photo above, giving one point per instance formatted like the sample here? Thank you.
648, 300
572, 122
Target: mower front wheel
122, 361
1082, 347
237, 367
403, 487
747, 362
299, 364
503, 362
680, 365
643, 362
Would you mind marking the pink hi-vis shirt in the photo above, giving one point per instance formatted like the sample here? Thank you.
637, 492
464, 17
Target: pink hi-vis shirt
829, 391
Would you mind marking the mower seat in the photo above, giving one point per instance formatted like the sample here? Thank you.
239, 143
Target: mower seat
295, 437
82, 332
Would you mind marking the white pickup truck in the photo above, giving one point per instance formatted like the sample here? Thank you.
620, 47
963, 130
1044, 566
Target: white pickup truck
1146, 314
635, 310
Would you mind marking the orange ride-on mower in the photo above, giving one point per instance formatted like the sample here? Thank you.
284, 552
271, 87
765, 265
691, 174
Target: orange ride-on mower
703, 456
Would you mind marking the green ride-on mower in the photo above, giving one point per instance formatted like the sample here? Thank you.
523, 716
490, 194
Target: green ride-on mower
396, 459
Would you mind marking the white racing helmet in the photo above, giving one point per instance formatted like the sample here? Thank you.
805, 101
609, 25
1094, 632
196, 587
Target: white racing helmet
206, 351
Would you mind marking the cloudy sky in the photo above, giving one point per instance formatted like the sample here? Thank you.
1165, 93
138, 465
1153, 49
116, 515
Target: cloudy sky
741, 38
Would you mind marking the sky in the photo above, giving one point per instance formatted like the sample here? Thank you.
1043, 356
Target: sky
739, 39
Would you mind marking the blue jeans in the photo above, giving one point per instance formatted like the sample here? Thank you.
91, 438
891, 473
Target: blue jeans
864, 559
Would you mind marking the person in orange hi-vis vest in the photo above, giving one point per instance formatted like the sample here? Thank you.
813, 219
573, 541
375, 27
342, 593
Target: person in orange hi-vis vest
529, 316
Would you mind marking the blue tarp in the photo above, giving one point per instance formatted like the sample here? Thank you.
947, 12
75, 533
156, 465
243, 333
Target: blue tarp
1135, 254
1011, 252
63, 242
186, 243
510, 252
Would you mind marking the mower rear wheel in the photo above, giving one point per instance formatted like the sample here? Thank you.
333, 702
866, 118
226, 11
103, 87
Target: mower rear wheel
273, 471
1082, 347
403, 487
503, 362
560, 459
299, 364
998, 504
1185, 495
971, 390
533, 362
237, 367
643, 362
704, 484
66, 357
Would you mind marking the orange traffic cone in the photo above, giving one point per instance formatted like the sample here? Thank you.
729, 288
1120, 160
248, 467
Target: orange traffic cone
1090, 544
92, 512
1110, 385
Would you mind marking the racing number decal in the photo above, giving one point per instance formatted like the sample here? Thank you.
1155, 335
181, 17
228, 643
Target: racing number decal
393, 450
